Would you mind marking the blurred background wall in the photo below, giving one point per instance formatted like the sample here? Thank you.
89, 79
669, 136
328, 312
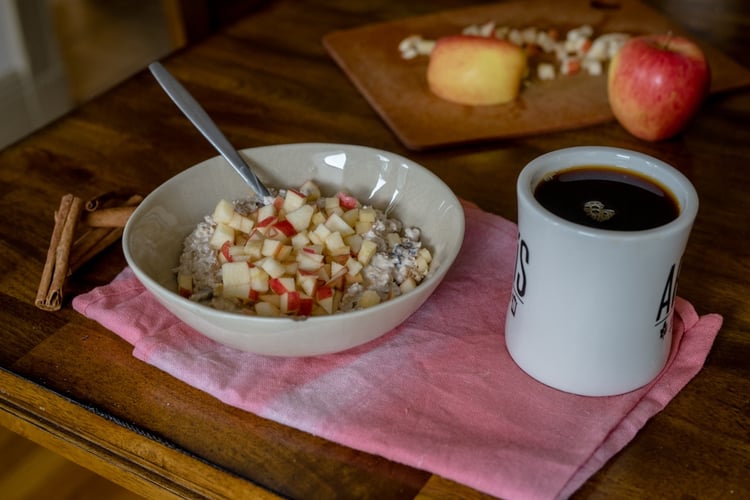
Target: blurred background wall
56, 54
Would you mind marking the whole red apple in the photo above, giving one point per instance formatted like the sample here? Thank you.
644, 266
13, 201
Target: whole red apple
656, 84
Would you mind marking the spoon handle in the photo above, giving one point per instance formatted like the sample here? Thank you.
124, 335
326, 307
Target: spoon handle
198, 116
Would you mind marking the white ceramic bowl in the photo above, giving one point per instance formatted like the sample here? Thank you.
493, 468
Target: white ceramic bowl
153, 239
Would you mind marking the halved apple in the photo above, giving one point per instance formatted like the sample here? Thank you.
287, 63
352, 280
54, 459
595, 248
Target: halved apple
476, 70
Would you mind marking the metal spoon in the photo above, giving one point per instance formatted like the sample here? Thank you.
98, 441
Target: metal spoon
198, 116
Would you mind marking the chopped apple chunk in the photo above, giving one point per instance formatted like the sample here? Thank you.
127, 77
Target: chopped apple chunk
369, 298
224, 211
366, 250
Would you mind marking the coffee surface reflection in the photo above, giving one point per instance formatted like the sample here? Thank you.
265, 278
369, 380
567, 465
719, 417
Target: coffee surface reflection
607, 198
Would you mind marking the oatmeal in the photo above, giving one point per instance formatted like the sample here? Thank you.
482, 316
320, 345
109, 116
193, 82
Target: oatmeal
298, 253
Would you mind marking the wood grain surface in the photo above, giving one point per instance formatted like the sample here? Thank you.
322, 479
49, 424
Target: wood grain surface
73, 386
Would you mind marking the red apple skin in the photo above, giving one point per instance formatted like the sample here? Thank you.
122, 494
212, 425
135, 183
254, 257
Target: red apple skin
656, 84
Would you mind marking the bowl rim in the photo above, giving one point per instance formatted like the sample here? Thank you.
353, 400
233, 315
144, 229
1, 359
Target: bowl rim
431, 281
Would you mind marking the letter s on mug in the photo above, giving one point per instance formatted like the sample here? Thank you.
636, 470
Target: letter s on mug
519, 278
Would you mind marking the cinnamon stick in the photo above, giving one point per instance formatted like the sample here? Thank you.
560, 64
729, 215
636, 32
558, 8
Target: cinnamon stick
109, 217
50, 292
96, 202
96, 239
91, 244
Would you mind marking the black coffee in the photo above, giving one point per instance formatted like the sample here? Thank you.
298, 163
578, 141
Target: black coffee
607, 198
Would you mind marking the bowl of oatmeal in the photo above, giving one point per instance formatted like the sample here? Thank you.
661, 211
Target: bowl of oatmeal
352, 241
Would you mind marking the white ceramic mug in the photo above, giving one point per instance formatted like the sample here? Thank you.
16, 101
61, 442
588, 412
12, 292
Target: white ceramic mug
591, 309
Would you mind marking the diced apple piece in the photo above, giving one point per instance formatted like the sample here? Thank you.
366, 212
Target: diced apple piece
289, 302
273, 267
241, 223
422, 262
352, 278
301, 217
184, 284
237, 253
241, 258
353, 266
330, 203
290, 267
271, 298
318, 218
354, 241
258, 279
366, 251
336, 223
324, 273
336, 210
308, 265
281, 230
407, 285
338, 275
264, 224
324, 298
257, 233
309, 261
308, 283
351, 216
224, 255
271, 247
253, 249
310, 189
341, 259
222, 234
318, 311
367, 214
233, 273
223, 212
293, 200
338, 269
336, 282
361, 227
314, 248
266, 309
315, 239
266, 211
300, 240
425, 254
238, 290
347, 201
284, 253
369, 298
335, 244
319, 234
281, 284
306, 305
240, 238
340, 252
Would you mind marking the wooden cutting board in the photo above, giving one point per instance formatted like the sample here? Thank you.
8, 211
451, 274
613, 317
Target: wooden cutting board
397, 88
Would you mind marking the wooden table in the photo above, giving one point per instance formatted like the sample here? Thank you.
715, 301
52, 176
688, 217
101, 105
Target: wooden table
73, 386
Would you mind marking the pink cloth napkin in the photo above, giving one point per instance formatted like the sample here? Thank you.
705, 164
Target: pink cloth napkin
439, 393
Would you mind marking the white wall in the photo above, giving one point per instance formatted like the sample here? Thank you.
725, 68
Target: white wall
33, 86
8, 37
